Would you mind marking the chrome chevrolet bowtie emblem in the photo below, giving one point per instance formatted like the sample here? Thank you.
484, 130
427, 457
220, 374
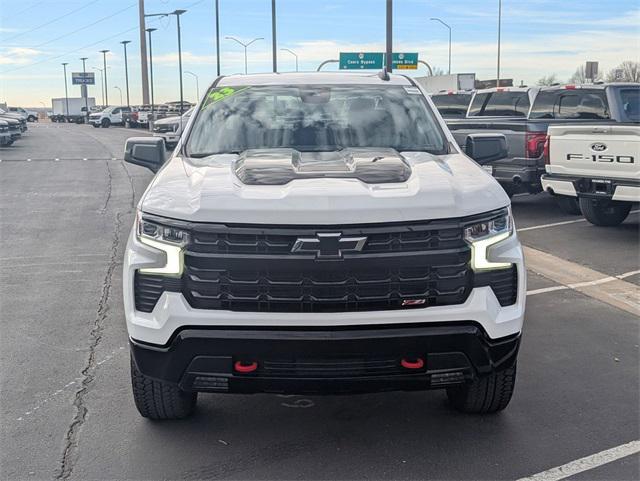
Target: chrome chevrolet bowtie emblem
328, 245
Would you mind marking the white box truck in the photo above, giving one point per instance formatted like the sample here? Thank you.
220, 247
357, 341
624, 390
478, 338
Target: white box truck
439, 83
75, 112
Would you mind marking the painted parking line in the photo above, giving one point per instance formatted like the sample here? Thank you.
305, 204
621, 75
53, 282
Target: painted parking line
566, 222
582, 284
587, 463
608, 289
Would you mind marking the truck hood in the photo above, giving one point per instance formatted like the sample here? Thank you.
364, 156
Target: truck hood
209, 190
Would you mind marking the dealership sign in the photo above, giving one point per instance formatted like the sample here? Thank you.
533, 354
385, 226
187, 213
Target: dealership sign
83, 78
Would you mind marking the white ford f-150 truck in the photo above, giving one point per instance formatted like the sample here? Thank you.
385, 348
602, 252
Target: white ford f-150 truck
597, 164
321, 233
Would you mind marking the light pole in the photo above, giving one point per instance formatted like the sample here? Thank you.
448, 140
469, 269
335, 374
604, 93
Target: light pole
449, 27
389, 49
197, 85
101, 83
177, 13
119, 90
245, 45
86, 89
274, 40
218, 37
106, 92
499, 32
66, 92
149, 30
126, 69
292, 53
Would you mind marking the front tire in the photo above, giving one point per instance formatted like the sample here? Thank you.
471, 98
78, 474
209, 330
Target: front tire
31, 118
160, 400
604, 213
568, 205
105, 123
488, 394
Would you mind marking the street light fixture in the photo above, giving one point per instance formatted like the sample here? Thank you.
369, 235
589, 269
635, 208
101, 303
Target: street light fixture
106, 92
449, 27
197, 85
126, 68
86, 89
245, 45
101, 83
66, 92
149, 30
177, 13
499, 34
119, 90
292, 53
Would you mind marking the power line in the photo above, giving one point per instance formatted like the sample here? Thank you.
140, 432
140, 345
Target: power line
48, 59
51, 21
85, 27
25, 9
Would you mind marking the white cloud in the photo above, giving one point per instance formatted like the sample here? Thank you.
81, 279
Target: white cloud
18, 55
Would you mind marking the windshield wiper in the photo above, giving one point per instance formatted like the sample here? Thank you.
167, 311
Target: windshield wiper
200, 155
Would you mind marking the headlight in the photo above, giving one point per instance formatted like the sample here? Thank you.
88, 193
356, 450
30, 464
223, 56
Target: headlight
484, 234
170, 240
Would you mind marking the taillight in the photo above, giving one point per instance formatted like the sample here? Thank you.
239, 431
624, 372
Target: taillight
570, 87
534, 144
545, 151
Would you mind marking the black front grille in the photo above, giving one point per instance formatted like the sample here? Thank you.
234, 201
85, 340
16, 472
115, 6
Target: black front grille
361, 283
332, 368
257, 269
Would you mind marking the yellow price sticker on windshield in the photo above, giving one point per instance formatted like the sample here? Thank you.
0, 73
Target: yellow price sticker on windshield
221, 94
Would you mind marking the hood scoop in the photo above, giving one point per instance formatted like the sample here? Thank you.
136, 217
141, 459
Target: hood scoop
281, 166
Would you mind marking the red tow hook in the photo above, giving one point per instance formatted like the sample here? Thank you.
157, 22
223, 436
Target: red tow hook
412, 363
245, 367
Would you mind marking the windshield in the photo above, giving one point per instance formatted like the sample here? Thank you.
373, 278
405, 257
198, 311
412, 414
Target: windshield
314, 118
500, 104
631, 103
452, 105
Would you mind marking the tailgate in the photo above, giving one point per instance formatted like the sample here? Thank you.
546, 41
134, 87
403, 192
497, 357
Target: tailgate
605, 151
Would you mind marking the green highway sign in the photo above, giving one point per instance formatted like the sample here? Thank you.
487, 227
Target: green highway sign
405, 61
361, 60
376, 60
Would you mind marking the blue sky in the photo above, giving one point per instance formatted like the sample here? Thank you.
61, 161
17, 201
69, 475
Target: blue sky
539, 37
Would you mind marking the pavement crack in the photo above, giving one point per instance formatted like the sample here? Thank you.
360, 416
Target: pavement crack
70, 451
109, 188
131, 184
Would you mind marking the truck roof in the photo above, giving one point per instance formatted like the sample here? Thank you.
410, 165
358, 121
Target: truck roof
505, 89
590, 86
313, 78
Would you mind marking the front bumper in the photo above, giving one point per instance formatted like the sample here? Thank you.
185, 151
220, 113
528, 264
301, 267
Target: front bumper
626, 190
325, 360
172, 312
169, 137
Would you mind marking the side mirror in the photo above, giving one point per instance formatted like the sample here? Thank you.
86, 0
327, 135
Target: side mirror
485, 148
148, 152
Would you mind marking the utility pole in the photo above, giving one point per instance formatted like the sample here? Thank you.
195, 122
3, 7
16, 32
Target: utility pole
177, 13
149, 30
86, 89
101, 84
499, 32
218, 37
389, 54
274, 42
106, 92
126, 68
143, 54
66, 92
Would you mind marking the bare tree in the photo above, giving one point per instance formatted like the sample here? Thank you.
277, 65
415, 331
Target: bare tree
628, 71
548, 80
438, 71
579, 76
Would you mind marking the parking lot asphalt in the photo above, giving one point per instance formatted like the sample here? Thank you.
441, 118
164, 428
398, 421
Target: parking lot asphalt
66, 406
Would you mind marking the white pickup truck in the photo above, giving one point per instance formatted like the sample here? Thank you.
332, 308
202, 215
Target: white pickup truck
598, 166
